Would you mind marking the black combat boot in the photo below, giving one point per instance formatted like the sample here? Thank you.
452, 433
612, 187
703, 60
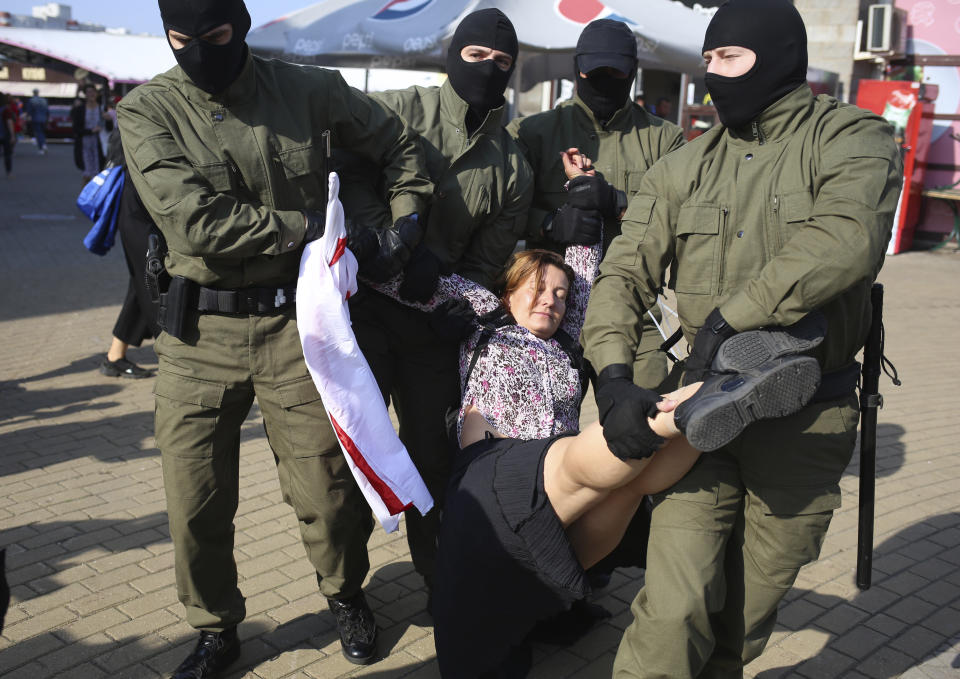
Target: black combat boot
723, 407
213, 653
357, 628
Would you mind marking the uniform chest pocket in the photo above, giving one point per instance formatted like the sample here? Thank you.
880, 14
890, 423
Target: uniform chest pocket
698, 248
303, 171
634, 178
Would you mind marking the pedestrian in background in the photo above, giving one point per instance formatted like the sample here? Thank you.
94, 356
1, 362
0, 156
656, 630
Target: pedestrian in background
8, 133
87, 117
780, 213
137, 320
39, 112
227, 152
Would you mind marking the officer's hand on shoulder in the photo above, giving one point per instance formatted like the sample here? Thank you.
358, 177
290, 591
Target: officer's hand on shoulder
624, 408
420, 276
707, 341
572, 225
591, 192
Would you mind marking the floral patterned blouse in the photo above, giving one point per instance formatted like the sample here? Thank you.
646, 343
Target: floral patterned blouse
524, 386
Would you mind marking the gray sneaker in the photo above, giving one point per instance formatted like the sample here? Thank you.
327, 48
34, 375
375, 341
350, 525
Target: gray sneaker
726, 404
752, 348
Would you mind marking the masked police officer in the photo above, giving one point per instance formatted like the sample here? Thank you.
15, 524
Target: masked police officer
226, 152
784, 209
477, 214
621, 139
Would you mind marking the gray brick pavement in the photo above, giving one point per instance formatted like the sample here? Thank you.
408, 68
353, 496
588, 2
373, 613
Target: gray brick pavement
90, 563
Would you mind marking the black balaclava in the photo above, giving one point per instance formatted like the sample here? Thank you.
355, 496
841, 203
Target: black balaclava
774, 30
481, 83
211, 67
605, 43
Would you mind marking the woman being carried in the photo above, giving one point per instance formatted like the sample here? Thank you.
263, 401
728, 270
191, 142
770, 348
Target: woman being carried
532, 503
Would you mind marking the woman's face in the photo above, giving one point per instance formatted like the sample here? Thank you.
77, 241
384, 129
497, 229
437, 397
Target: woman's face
540, 311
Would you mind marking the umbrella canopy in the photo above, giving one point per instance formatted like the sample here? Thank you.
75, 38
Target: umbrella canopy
414, 34
117, 58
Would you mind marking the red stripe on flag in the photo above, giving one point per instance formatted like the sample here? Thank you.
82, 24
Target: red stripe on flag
338, 253
394, 506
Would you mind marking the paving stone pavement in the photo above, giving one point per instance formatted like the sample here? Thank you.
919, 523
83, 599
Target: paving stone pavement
82, 511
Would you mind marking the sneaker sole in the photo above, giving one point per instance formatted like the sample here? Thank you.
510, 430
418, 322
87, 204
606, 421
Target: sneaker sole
781, 391
752, 348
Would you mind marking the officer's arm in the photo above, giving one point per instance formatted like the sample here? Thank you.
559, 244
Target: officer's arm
522, 131
494, 241
843, 240
630, 274
360, 191
197, 218
374, 133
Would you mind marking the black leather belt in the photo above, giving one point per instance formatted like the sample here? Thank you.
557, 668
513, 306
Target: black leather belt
838, 383
256, 301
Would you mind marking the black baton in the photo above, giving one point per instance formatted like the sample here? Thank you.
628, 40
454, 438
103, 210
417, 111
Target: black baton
870, 401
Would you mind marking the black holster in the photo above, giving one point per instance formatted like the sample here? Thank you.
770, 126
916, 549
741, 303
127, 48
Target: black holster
156, 277
175, 304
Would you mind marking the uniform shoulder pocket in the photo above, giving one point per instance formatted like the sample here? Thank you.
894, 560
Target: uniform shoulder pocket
640, 208
155, 150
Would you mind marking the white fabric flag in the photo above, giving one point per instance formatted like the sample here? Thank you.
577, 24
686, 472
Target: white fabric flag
377, 458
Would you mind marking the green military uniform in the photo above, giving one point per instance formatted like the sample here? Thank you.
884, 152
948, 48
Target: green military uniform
478, 212
622, 151
226, 178
792, 217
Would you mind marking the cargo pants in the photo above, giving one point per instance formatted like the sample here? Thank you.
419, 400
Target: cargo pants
727, 541
205, 387
419, 372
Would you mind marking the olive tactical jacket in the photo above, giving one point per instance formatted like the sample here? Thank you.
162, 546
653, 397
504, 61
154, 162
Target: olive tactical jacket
226, 176
622, 151
768, 223
483, 184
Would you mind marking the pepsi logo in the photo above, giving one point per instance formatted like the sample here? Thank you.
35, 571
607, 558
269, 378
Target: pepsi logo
401, 9
584, 11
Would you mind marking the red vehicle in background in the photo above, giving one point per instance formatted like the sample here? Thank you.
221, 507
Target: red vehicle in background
59, 125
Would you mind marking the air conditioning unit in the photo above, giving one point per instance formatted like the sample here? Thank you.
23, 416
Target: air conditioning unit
886, 29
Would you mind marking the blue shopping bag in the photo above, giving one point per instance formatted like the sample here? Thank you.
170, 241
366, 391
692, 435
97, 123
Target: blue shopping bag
100, 202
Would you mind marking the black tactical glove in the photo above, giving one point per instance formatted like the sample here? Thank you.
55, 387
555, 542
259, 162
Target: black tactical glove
707, 341
363, 242
395, 246
595, 193
420, 276
316, 223
453, 320
624, 408
574, 226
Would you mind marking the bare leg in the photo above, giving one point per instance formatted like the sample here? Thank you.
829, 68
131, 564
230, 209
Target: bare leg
595, 493
601, 527
117, 350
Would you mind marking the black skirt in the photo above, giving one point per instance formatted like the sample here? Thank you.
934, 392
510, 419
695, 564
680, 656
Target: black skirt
504, 561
